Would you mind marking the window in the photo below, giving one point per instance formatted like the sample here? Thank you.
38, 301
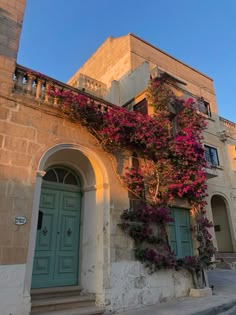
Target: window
61, 175
203, 107
180, 233
141, 107
211, 156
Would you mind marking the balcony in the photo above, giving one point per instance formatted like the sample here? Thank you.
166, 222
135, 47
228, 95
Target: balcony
212, 171
90, 85
34, 87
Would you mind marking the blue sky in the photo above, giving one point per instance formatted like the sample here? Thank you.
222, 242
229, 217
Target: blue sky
58, 36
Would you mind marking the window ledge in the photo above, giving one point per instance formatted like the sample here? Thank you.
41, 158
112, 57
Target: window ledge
217, 167
205, 115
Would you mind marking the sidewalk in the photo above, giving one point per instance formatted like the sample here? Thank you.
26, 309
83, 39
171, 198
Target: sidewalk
223, 300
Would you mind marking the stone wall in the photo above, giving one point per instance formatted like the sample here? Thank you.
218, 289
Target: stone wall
13, 301
117, 57
132, 286
11, 18
110, 61
26, 133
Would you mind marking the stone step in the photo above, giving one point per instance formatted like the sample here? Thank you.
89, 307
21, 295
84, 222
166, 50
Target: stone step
49, 304
38, 294
221, 255
226, 265
228, 259
94, 310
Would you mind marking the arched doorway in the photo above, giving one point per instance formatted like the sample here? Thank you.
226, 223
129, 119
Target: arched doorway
58, 230
94, 247
221, 224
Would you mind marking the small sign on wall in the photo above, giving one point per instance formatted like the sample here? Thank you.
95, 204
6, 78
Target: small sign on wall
19, 220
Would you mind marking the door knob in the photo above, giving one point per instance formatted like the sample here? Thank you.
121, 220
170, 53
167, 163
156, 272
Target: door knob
45, 231
69, 232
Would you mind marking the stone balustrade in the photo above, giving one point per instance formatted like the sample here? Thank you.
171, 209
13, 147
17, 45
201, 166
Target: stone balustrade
91, 85
228, 125
37, 87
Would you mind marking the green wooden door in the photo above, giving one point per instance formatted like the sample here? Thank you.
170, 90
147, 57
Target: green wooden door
180, 234
57, 243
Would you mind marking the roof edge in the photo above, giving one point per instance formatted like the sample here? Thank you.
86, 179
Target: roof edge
163, 52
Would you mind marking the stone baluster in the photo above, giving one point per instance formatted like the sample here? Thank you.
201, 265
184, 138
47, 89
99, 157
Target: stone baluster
29, 84
105, 108
39, 87
46, 91
88, 84
55, 98
102, 108
18, 86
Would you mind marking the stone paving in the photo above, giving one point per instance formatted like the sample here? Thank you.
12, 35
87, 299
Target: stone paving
223, 300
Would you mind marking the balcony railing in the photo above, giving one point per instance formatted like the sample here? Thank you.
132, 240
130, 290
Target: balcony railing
35, 86
229, 127
200, 104
90, 85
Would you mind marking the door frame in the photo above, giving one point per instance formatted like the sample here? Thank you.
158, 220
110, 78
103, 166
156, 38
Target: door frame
96, 198
227, 212
176, 228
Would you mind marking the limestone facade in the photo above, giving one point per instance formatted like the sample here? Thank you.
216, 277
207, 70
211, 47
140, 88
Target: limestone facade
35, 136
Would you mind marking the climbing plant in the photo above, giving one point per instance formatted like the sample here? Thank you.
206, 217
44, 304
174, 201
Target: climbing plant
170, 155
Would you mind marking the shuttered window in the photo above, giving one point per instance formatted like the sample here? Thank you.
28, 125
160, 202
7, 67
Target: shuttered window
180, 234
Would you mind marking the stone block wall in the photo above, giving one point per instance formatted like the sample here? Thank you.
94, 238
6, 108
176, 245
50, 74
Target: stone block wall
11, 18
111, 60
27, 131
25, 134
132, 286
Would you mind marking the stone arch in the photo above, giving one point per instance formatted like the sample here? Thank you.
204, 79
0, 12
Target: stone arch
94, 265
220, 213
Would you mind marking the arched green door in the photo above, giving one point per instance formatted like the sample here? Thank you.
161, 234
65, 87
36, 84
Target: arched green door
57, 242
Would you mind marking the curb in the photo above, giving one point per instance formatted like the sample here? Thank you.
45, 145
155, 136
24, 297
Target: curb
217, 309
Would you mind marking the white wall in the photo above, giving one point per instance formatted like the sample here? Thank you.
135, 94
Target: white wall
133, 287
131, 84
12, 298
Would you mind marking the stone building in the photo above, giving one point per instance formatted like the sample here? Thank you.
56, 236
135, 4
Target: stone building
60, 196
122, 67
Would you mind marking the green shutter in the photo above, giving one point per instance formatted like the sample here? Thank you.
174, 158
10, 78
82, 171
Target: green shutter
180, 234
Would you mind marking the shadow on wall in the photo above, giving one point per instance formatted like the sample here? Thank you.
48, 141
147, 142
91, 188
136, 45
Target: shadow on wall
9, 28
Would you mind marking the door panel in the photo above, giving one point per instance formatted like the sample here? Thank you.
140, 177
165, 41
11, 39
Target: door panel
180, 235
57, 243
45, 238
173, 242
68, 240
44, 259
